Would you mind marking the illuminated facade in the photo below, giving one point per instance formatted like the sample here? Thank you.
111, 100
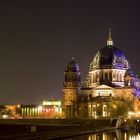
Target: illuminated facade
49, 109
110, 89
71, 89
9, 111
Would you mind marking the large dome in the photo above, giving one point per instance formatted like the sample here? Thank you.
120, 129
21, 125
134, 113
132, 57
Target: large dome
110, 57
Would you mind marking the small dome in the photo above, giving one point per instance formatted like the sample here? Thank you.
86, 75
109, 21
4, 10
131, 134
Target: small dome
72, 66
110, 57
130, 73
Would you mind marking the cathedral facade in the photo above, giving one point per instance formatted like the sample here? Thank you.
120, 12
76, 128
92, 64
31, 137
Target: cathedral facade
110, 89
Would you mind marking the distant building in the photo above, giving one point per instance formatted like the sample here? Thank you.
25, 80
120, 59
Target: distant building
110, 89
9, 111
48, 109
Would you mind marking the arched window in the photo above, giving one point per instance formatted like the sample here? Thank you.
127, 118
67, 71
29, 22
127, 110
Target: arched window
106, 76
102, 76
118, 78
121, 77
113, 76
97, 77
90, 79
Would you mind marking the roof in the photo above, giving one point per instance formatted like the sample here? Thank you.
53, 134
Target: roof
103, 87
110, 56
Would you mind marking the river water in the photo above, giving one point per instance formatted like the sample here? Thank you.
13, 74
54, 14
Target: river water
109, 135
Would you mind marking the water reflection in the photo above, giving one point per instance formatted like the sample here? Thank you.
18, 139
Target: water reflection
111, 135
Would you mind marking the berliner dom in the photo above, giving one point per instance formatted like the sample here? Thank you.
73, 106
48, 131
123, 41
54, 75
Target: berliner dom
110, 89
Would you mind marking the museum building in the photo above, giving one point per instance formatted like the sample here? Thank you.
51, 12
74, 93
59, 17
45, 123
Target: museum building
110, 89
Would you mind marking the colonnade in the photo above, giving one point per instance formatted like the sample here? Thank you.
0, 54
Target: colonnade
40, 112
114, 76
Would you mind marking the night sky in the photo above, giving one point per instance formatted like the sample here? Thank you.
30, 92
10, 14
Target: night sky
37, 40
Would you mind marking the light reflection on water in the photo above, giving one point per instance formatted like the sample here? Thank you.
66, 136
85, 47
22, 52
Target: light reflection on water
111, 135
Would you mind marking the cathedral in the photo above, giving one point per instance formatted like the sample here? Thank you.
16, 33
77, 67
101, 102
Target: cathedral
110, 89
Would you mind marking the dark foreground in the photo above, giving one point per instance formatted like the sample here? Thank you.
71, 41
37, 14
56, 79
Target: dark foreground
43, 130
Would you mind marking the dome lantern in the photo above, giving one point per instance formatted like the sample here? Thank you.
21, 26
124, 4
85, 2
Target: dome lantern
109, 40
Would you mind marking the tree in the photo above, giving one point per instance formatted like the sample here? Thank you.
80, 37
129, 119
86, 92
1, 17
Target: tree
119, 108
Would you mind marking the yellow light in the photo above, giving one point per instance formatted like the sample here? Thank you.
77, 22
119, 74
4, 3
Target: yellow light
57, 103
60, 110
40, 108
35, 110
129, 113
18, 106
114, 106
5, 116
125, 135
57, 109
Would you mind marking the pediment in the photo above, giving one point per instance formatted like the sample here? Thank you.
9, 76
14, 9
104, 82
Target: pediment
101, 87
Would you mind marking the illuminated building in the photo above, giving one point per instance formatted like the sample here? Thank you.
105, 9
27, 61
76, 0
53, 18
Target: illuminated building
71, 89
49, 109
9, 111
110, 89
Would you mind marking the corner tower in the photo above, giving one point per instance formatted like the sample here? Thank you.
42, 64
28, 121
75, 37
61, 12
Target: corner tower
71, 89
